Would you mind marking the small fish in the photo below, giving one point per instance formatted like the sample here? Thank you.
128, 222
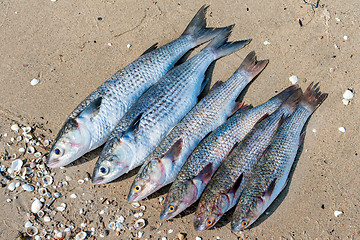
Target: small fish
209, 154
270, 175
91, 123
158, 110
224, 188
162, 166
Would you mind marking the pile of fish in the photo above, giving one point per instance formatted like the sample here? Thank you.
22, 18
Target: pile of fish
217, 150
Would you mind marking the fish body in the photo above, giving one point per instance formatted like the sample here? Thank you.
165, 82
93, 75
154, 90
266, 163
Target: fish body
209, 154
163, 105
91, 123
270, 175
162, 166
224, 188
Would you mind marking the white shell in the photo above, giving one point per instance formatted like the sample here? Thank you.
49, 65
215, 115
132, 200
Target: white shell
11, 186
348, 94
198, 238
17, 184
337, 213
293, 79
28, 187
135, 205
22, 150
42, 191
267, 42
128, 45
80, 236
161, 199
26, 129
140, 234
346, 38
142, 208
28, 224
16, 165
18, 138
47, 180
46, 143
40, 213
57, 194
47, 219
30, 150
15, 127
73, 195
34, 82
139, 224
32, 231
36, 206
37, 154
137, 215
62, 207
112, 225
81, 181
121, 219
342, 129
345, 102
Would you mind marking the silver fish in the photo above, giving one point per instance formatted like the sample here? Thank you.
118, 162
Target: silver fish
162, 166
91, 123
209, 154
162, 106
224, 188
270, 175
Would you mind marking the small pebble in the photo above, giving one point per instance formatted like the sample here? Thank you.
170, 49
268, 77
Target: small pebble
34, 82
47, 219
346, 37
161, 199
337, 19
110, 44
15, 128
337, 213
22, 150
267, 43
293, 79
345, 102
348, 94
331, 70
73, 195
342, 129
129, 45
314, 130
170, 231
8, 200
198, 238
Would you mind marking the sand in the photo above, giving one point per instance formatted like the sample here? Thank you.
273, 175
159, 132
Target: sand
65, 44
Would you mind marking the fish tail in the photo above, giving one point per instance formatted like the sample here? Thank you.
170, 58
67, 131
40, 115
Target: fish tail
198, 30
313, 97
251, 66
285, 94
294, 98
221, 47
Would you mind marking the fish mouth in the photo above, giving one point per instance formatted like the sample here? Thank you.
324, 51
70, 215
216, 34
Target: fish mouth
97, 180
133, 197
54, 163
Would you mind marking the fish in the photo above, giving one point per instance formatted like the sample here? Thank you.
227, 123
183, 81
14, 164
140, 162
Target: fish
224, 188
270, 175
93, 120
162, 166
210, 153
159, 109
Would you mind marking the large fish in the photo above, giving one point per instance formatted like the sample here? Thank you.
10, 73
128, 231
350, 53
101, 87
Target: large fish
91, 123
158, 110
224, 188
209, 154
270, 175
162, 166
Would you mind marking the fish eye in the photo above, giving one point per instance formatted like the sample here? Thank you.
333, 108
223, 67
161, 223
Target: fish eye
244, 223
137, 188
57, 151
104, 170
171, 208
209, 222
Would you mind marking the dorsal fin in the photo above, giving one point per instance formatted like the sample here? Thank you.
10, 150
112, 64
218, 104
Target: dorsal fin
92, 109
236, 185
150, 49
175, 150
205, 174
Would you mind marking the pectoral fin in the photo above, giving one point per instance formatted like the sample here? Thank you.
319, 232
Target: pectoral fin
175, 150
205, 174
92, 109
150, 49
235, 187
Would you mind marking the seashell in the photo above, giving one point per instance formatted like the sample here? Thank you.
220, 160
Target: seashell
161, 199
46, 143
18, 138
135, 205
42, 191
30, 150
139, 224
17, 184
337, 213
47, 219
67, 230
36, 206
16, 165
40, 213
118, 226
11, 186
59, 235
83, 224
121, 219
34, 82
28, 224
140, 234
342, 129
57, 194
15, 127
47, 180
37, 237
26, 140
25, 171
10, 170
73, 195
64, 183
37, 154
22, 150
28, 187
81, 181
80, 236
142, 208
13, 156
39, 174
26, 129
62, 207
68, 178
137, 215
112, 225
293, 79
32, 231
348, 94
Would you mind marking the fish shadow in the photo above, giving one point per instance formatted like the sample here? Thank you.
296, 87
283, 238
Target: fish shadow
87, 157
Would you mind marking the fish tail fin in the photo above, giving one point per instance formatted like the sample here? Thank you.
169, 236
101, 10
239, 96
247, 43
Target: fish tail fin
313, 97
294, 98
286, 93
251, 66
221, 47
198, 30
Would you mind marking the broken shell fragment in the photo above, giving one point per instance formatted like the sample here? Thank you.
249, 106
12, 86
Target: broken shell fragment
47, 180
15, 127
337, 213
135, 205
26, 129
139, 224
40, 213
348, 94
62, 207
11, 186
37, 154
80, 236
28, 187
16, 165
57, 194
46, 143
47, 219
112, 225
30, 150
32, 231
42, 191
36, 206
59, 235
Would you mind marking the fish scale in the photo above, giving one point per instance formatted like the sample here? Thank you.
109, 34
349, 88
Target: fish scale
224, 188
195, 174
92, 121
208, 114
270, 175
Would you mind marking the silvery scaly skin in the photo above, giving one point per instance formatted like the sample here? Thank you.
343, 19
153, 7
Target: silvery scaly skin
209, 154
224, 188
270, 175
161, 107
91, 123
162, 166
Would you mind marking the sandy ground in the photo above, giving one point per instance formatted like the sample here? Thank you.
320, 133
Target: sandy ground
66, 46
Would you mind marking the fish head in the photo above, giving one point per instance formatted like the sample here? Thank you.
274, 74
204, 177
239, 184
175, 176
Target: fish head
210, 210
72, 142
180, 196
148, 180
113, 162
246, 214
